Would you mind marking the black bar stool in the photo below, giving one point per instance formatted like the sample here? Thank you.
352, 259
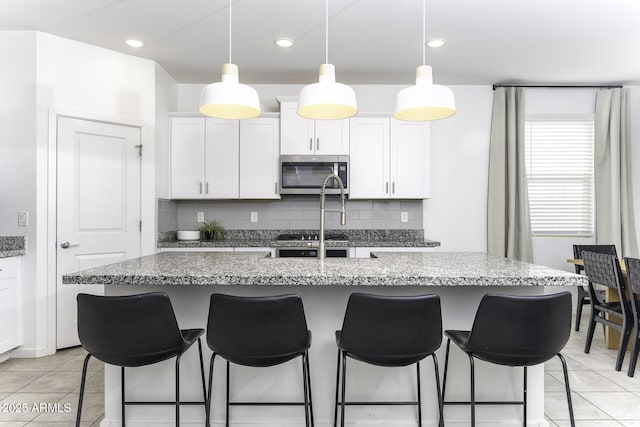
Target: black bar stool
515, 331
259, 332
131, 331
389, 331
633, 276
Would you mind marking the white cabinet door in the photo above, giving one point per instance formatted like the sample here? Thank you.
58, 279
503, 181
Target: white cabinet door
332, 137
9, 303
369, 158
300, 136
221, 159
297, 133
187, 158
409, 160
259, 154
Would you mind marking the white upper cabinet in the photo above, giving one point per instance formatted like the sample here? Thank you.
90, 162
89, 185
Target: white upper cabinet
259, 158
224, 159
300, 136
388, 159
204, 158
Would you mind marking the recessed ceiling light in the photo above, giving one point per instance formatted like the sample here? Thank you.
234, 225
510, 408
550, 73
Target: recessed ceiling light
437, 42
284, 42
133, 43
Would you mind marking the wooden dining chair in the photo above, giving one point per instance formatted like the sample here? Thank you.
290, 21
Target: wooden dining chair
633, 280
604, 269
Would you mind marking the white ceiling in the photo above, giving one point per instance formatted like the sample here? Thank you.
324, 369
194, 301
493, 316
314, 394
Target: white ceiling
370, 41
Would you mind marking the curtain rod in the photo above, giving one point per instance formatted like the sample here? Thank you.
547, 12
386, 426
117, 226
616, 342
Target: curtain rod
561, 86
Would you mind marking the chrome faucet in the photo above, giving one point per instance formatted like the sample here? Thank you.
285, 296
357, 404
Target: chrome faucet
343, 212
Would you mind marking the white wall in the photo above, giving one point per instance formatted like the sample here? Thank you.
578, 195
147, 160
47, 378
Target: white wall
18, 148
166, 102
43, 72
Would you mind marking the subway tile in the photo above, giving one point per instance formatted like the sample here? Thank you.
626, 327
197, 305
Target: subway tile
386, 206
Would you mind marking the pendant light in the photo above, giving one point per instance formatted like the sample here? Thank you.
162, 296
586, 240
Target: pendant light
229, 99
424, 101
327, 100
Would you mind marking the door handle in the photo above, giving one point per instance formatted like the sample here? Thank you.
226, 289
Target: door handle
65, 245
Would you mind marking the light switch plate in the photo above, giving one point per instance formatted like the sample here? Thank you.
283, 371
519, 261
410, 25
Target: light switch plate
23, 218
200, 216
254, 216
404, 216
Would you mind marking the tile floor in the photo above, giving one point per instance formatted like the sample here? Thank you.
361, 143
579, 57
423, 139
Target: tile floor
602, 397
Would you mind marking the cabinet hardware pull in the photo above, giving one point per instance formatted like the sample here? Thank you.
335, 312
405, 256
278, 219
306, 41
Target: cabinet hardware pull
200, 187
393, 187
386, 187
206, 191
317, 143
310, 144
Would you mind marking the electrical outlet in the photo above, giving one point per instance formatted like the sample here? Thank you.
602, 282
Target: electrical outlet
404, 216
254, 216
23, 219
200, 217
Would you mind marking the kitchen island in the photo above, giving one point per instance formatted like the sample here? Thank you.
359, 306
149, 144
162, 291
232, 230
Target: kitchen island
460, 279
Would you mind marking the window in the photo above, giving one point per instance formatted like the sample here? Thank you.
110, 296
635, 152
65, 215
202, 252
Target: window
559, 163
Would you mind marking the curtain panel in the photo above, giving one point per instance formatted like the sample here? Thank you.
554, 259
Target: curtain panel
612, 157
508, 223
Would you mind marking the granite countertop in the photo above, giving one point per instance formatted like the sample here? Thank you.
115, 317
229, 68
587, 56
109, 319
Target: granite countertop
390, 268
261, 243
267, 239
12, 246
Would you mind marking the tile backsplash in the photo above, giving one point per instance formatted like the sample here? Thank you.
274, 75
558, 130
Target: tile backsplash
289, 213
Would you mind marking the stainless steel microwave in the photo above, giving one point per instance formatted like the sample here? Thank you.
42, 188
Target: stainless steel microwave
304, 174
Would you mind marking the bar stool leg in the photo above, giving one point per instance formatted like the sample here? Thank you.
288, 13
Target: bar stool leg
525, 397
228, 375
567, 389
309, 382
178, 390
344, 379
82, 383
122, 390
419, 395
446, 369
306, 392
204, 386
473, 392
210, 396
335, 408
440, 398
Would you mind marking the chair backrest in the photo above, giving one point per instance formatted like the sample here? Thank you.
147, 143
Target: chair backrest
602, 249
604, 269
392, 325
521, 330
121, 329
633, 279
241, 328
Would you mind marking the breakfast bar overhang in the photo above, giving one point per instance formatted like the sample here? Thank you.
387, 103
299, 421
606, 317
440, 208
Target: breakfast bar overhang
459, 278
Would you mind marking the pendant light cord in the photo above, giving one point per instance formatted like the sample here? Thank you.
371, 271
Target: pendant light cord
424, 30
230, 31
326, 33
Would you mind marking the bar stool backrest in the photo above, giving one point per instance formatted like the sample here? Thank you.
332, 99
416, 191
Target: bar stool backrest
392, 325
246, 330
131, 330
521, 330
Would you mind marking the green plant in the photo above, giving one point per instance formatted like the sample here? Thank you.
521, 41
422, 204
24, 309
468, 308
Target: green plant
213, 230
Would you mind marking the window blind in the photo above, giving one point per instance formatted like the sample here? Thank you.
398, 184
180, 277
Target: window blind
559, 163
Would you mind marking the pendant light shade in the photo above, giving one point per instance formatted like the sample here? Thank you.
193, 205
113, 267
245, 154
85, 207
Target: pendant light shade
229, 99
424, 101
327, 100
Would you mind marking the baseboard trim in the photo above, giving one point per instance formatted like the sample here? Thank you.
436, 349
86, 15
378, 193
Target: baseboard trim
367, 423
28, 353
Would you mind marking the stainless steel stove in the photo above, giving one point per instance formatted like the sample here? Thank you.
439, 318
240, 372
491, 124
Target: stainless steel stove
311, 250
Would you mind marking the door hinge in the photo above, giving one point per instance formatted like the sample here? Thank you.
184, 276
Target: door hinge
139, 147
140, 225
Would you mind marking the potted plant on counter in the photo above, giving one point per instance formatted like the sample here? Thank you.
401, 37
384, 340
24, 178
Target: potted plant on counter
212, 230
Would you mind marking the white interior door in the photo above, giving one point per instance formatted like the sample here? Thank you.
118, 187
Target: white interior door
98, 207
